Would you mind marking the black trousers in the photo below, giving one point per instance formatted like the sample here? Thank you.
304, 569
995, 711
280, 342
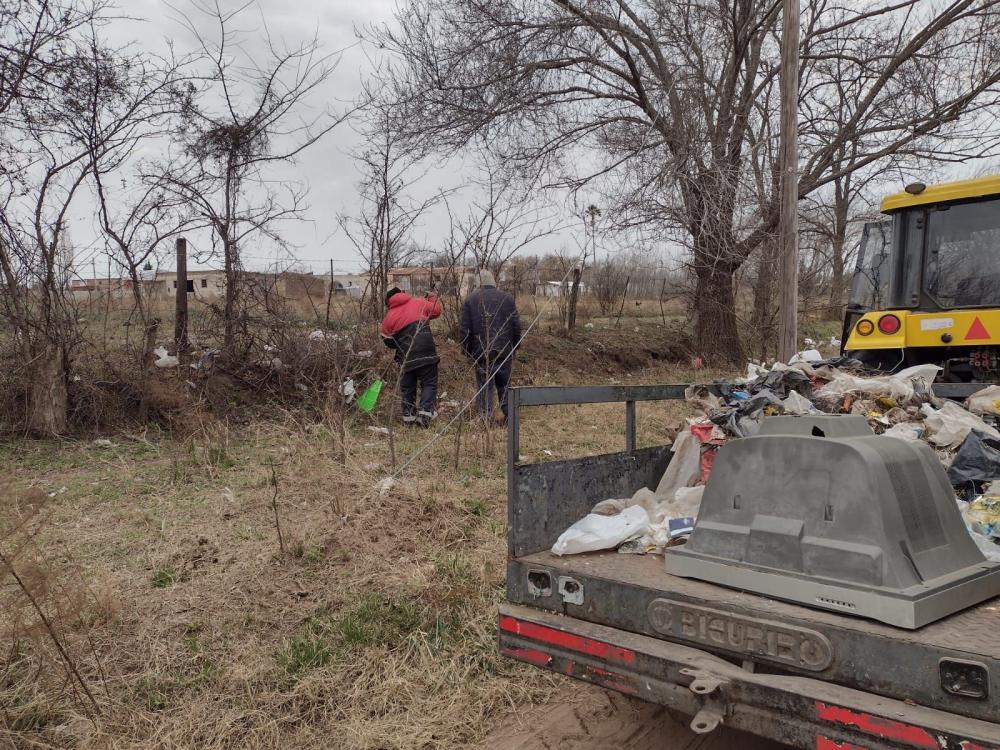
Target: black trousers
426, 376
492, 374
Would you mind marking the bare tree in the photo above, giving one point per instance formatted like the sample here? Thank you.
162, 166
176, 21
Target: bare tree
381, 232
250, 113
664, 98
505, 218
65, 114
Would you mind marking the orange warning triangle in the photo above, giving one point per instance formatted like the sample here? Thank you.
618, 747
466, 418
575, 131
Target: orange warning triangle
977, 331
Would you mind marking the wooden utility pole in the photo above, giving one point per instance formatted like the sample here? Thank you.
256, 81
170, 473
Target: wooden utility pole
329, 294
181, 310
788, 224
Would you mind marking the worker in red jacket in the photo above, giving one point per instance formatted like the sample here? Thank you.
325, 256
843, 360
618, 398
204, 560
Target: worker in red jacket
406, 329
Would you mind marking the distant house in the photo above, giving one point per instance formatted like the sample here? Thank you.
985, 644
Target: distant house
551, 289
557, 288
84, 290
347, 284
204, 285
417, 279
210, 285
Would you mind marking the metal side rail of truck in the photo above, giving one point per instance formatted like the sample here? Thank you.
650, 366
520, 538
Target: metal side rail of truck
808, 678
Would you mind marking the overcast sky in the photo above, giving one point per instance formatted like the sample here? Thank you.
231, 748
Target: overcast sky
327, 169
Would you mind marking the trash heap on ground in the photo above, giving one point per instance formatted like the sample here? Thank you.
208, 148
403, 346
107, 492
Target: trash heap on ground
901, 405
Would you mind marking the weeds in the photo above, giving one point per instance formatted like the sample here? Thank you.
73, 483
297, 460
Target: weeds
304, 653
477, 507
165, 576
379, 622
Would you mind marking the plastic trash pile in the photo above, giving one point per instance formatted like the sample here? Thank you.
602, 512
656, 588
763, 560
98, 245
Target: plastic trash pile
901, 405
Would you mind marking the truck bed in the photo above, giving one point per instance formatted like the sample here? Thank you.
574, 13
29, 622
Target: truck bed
635, 593
952, 665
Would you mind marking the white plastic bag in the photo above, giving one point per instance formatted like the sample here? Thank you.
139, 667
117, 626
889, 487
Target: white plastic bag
807, 355
950, 425
905, 431
163, 359
899, 387
594, 532
796, 403
686, 502
986, 401
684, 468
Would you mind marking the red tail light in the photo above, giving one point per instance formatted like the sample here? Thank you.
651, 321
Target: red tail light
888, 324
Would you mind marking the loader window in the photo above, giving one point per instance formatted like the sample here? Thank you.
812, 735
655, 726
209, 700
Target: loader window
962, 260
909, 235
870, 285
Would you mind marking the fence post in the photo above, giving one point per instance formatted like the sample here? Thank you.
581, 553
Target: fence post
181, 309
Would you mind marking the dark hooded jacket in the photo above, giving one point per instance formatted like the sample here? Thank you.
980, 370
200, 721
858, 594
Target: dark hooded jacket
490, 326
406, 329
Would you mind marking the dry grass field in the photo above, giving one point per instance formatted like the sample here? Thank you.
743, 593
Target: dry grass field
249, 583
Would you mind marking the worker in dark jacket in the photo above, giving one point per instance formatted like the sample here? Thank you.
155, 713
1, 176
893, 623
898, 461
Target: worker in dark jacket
490, 333
406, 328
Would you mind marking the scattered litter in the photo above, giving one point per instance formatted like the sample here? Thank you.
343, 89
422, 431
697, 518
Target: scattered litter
385, 486
948, 426
77, 378
301, 387
363, 355
547, 452
368, 399
589, 325
378, 430
808, 342
807, 355
595, 532
684, 468
103, 443
976, 463
986, 401
906, 386
900, 405
911, 431
317, 335
982, 516
163, 359
796, 403
206, 360
348, 390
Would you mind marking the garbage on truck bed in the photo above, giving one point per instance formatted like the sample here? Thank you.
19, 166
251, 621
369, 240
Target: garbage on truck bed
901, 405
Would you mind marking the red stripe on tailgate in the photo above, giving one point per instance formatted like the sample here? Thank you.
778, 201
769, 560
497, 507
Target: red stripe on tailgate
881, 727
567, 640
825, 743
530, 655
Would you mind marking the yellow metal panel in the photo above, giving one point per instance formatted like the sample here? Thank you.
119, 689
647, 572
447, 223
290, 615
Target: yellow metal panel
943, 192
964, 327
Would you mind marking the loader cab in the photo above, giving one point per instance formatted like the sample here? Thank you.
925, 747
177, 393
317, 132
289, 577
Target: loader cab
926, 288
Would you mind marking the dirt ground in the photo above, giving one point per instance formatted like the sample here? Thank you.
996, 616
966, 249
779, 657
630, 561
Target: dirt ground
582, 717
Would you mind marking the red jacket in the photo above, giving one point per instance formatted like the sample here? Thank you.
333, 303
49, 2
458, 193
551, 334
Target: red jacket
405, 310
405, 329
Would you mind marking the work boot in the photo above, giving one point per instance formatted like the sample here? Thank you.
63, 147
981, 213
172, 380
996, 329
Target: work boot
424, 418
